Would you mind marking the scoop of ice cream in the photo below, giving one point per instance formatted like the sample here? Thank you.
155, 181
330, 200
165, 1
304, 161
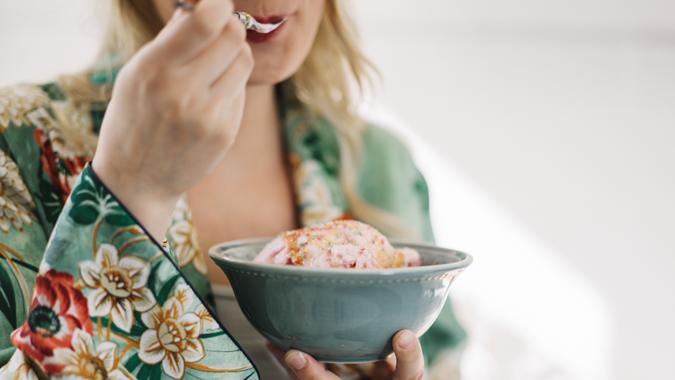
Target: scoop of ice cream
339, 244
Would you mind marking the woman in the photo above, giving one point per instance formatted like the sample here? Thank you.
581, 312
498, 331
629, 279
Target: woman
205, 138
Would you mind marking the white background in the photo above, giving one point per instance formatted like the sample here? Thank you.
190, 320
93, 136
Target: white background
547, 131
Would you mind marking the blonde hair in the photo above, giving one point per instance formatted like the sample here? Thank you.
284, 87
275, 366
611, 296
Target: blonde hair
327, 84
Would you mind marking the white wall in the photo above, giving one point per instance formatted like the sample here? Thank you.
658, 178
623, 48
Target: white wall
546, 129
562, 115
39, 39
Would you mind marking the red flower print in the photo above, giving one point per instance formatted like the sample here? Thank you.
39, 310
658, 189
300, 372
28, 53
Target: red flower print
345, 216
57, 310
61, 171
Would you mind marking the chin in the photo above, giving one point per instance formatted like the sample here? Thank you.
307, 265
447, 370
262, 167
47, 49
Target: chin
273, 66
271, 72
268, 78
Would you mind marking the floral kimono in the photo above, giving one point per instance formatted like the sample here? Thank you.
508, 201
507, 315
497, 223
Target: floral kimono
86, 291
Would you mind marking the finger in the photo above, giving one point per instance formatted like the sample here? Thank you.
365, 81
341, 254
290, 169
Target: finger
212, 62
276, 351
278, 354
382, 370
234, 79
409, 359
190, 32
305, 367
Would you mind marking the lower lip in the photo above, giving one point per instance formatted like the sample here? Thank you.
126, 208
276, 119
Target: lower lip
258, 38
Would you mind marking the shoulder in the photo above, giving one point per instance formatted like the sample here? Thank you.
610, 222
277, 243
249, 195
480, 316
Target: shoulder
66, 100
18, 102
390, 180
47, 106
48, 131
388, 173
66, 112
382, 136
384, 153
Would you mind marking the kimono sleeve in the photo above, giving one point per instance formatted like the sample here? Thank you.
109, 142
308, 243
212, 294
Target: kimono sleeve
98, 298
22, 243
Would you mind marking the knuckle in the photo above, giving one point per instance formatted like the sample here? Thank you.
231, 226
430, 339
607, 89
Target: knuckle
132, 70
126, 74
148, 50
204, 24
144, 73
232, 40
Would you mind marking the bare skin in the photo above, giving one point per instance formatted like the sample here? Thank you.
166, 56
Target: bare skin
194, 112
253, 191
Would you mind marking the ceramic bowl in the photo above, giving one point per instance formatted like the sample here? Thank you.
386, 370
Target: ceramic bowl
339, 315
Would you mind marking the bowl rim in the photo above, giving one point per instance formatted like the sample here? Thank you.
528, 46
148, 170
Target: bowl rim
464, 261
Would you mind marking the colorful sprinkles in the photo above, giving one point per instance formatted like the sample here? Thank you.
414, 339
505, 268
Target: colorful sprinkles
337, 244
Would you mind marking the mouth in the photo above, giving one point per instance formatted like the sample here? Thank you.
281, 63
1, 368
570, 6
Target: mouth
270, 19
276, 24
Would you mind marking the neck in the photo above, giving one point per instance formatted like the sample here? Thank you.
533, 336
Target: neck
259, 141
260, 123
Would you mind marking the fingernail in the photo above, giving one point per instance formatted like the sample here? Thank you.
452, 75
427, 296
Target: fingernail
405, 340
296, 360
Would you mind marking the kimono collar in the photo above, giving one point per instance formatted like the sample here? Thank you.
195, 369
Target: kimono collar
313, 154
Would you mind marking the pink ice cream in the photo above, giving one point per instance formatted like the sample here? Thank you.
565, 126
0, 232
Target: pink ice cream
339, 244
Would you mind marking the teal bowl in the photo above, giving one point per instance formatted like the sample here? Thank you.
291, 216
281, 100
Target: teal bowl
339, 315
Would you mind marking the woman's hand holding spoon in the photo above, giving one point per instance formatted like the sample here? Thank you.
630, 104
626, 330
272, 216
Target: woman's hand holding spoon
175, 110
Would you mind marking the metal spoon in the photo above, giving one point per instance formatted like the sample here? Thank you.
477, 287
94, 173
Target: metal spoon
249, 22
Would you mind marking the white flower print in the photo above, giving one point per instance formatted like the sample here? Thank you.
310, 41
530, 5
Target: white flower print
70, 133
314, 195
15, 200
119, 286
173, 335
183, 238
17, 101
88, 361
18, 368
208, 322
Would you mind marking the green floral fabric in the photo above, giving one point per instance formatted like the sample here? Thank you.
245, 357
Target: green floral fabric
87, 293
99, 299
